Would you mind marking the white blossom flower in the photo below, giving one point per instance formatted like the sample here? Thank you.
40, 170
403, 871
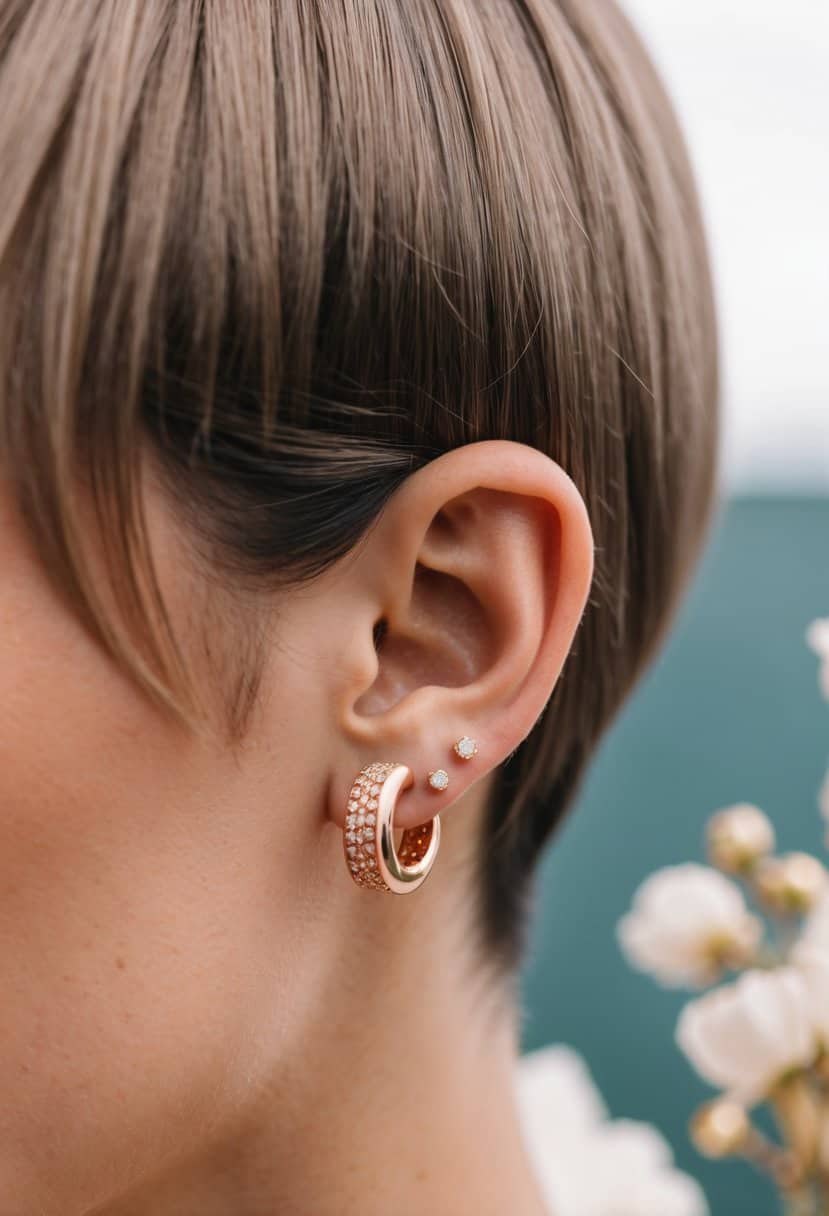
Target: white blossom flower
817, 635
813, 964
634, 1178
555, 1085
823, 801
745, 1036
815, 931
587, 1164
811, 956
628, 1168
686, 923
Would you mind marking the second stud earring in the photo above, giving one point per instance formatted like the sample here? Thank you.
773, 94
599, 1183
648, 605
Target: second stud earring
466, 748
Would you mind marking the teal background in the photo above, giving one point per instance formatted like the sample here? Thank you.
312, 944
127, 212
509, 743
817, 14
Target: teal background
730, 712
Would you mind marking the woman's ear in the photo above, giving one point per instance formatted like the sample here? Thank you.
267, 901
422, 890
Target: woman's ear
471, 588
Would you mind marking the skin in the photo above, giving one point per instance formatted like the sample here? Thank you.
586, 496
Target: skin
202, 1012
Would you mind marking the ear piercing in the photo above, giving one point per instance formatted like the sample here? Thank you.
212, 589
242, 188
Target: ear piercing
373, 859
466, 748
371, 855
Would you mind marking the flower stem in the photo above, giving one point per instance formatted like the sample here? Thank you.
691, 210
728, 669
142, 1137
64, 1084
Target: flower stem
822, 1193
804, 1202
798, 1114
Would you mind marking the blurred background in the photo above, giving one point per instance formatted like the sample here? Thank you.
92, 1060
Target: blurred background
731, 711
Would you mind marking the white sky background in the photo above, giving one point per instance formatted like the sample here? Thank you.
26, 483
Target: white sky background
750, 79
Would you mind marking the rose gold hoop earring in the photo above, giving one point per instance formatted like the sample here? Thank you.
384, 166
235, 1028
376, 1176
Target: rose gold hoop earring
368, 838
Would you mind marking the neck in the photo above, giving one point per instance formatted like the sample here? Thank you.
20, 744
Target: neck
399, 1096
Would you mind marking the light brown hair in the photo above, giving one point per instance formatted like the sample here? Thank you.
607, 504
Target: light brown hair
297, 249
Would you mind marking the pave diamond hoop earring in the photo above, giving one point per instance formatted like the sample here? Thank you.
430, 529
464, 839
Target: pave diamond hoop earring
372, 858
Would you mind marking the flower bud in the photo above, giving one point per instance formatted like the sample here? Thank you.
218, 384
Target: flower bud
823, 798
817, 635
720, 1128
738, 837
792, 884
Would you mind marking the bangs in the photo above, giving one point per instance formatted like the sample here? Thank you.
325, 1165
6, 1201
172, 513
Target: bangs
280, 255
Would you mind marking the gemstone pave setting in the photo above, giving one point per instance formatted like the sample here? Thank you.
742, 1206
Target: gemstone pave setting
361, 837
373, 859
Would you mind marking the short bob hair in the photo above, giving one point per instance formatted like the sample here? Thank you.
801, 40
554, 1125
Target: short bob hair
296, 249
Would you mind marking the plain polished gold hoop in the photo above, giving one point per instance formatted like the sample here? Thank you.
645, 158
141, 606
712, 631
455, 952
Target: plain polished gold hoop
372, 858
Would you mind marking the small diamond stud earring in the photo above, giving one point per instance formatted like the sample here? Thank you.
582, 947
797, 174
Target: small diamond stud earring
439, 779
466, 748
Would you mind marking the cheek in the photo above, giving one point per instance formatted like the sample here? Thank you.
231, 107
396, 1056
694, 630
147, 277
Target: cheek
137, 904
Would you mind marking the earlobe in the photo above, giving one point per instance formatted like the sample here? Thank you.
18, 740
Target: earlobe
480, 567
